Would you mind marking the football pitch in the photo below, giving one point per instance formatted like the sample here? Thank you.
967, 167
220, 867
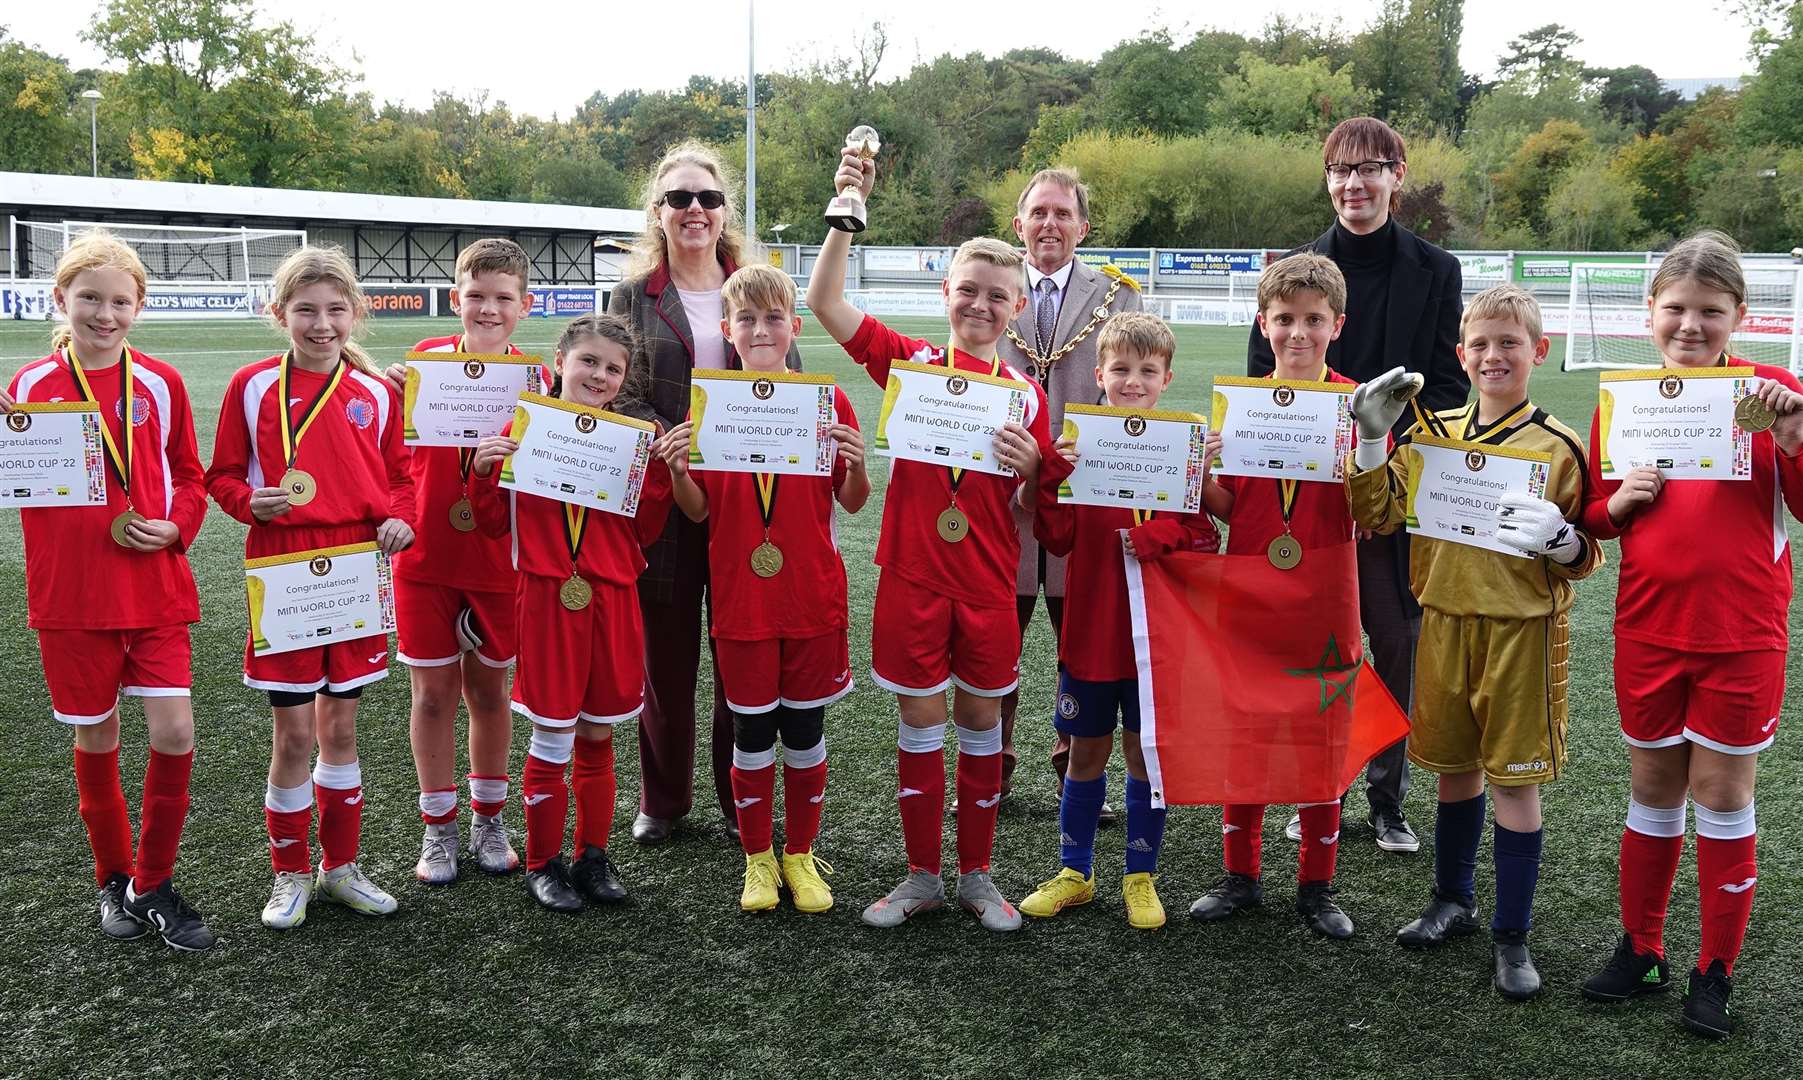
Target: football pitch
476, 980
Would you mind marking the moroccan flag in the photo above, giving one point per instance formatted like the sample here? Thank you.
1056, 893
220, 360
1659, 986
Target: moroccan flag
1252, 683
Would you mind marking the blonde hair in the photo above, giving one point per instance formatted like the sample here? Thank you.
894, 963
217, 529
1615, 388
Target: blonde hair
95, 249
493, 255
1059, 177
987, 249
1510, 302
1138, 332
1710, 258
652, 250
328, 264
1306, 271
759, 287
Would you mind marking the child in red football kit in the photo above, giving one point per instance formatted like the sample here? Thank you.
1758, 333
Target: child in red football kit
1098, 679
309, 455
948, 548
454, 597
108, 587
1701, 631
779, 607
581, 665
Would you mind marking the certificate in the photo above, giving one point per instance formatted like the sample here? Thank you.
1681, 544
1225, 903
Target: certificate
1456, 486
1679, 421
317, 597
578, 454
458, 399
755, 421
1134, 457
51, 455
1291, 430
945, 417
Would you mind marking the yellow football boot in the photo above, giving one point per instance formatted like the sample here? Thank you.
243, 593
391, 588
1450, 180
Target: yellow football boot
1144, 912
760, 882
802, 874
1068, 889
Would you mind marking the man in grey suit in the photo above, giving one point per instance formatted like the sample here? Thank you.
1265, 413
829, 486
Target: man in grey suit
1054, 342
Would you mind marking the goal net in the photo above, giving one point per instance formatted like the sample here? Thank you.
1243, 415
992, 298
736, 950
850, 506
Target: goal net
1609, 326
193, 272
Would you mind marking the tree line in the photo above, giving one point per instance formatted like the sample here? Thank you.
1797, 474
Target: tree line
1208, 140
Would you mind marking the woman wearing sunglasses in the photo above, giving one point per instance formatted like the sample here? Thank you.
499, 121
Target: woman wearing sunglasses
691, 242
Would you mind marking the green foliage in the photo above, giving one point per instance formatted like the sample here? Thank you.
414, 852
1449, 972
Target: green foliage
1631, 96
1523, 185
1737, 192
1306, 98
1591, 207
1541, 56
39, 108
1772, 105
1655, 168
1409, 58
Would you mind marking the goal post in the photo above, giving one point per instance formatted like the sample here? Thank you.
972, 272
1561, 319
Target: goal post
1608, 324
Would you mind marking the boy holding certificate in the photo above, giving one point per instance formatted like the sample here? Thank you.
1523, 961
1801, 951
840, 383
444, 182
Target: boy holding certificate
107, 586
1097, 674
1301, 308
1491, 668
948, 549
453, 597
779, 610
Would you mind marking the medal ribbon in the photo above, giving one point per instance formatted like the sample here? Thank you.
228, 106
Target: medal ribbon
1140, 517
291, 435
1487, 432
995, 368
766, 499
120, 458
575, 526
1288, 490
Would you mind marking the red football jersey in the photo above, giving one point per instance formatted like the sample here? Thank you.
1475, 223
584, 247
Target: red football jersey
1706, 566
353, 449
1321, 518
441, 555
612, 544
1097, 642
978, 570
76, 578
807, 598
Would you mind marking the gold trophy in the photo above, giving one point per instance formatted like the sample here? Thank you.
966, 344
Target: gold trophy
846, 211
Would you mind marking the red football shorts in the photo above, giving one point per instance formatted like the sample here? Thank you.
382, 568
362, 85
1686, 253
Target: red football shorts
426, 615
1727, 701
922, 642
342, 665
801, 673
87, 670
579, 665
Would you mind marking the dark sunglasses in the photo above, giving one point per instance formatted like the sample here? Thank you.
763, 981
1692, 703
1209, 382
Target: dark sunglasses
710, 199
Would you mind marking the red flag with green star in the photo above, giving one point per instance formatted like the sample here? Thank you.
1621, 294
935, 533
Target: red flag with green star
1253, 687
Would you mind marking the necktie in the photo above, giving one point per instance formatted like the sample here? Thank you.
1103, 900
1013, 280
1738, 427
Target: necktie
1045, 315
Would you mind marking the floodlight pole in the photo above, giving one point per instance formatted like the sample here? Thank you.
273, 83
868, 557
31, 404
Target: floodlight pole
751, 121
93, 99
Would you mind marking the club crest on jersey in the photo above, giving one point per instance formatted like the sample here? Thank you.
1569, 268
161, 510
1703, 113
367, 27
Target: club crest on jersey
140, 410
360, 412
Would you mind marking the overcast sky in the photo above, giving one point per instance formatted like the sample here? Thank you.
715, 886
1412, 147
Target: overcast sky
548, 58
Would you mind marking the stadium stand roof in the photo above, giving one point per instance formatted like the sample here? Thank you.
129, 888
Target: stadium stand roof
163, 197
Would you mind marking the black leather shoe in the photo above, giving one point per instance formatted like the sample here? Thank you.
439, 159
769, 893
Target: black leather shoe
1315, 903
163, 910
594, 875
652, 830
114, 922
1441, 919
550, 885
1234, 892
1516, 977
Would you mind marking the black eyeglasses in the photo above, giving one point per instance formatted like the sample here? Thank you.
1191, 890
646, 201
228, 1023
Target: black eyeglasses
1367, 170
680, 199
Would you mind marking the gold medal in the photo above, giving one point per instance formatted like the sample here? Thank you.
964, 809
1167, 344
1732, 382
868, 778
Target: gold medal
575, 593
463, 518
1752, 414
1285, 553
299, 486
953, 525
119, 524
766, 560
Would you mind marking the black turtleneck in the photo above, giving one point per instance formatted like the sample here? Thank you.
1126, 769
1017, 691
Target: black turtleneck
1365, 261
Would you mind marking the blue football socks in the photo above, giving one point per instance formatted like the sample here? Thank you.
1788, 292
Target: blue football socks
1077, 817
1517, 873
1145, 828
1458, 828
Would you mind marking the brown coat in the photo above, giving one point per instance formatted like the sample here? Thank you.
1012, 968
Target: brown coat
1072, 378
666, 349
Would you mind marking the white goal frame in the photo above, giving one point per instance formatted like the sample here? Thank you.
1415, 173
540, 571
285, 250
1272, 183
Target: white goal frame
1777, 326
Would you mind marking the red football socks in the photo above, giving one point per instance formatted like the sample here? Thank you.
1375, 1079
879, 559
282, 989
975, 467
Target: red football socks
547, 801
1320, 842
921, 795
340, 824
804, 796
164, 811
592, 780
979, 779
1242, 839
1726, 873
102, 805
752, 792
1648, 866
